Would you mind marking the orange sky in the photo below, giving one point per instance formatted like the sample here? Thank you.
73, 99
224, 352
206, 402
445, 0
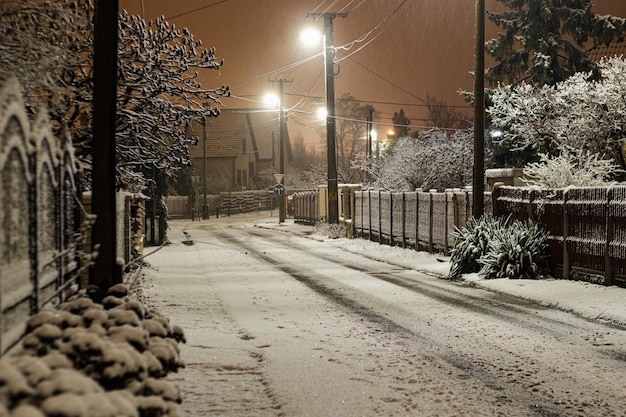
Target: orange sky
424, 49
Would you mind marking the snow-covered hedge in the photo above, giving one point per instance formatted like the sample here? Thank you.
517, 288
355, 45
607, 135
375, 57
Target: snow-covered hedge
94, 360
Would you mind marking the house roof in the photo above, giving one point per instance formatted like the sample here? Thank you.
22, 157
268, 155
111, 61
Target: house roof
224, 133
615, 48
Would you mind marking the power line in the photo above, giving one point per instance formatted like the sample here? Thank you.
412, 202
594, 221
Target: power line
196, 10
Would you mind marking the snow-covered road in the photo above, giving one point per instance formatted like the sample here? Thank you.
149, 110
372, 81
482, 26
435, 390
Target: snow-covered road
279, 324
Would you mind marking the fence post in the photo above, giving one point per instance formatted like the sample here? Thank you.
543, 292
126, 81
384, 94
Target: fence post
531, 210
369, 212
608, 260
445, 222
380, 220
403, 220
391, 239
495, 195
566, 261
430, 222
417, 220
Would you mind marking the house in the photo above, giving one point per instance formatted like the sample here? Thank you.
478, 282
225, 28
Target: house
613, 49
240, 143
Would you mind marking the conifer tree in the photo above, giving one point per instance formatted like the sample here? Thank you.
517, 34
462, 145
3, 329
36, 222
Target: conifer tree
546, 41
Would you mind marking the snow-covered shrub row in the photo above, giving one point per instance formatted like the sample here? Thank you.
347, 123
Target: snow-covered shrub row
94, 360
436, 159
499, 248
578, 113
573, 167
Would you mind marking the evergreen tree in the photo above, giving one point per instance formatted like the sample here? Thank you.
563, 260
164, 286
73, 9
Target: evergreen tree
546, 41
400, 124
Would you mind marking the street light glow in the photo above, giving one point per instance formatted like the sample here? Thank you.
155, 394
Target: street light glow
321, 113
271, 99
310, 37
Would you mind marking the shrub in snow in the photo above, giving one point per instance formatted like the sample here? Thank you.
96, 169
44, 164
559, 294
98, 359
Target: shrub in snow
572, 167
86, 359
518, 250
579, 113
471, 244
434, 159
498, 248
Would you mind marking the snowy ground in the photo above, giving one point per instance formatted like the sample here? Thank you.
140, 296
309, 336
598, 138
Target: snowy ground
582, 298
281, 321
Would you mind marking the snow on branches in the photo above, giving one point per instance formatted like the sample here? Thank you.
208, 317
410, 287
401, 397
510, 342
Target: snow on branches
433, 159
578, 113
49, 46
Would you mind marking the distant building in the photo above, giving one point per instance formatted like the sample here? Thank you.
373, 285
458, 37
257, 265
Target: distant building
240, 143
615, 48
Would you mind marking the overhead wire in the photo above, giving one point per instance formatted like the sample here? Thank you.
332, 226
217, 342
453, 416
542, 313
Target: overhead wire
197, 9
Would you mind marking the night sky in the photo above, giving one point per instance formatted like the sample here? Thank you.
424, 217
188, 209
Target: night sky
423, 49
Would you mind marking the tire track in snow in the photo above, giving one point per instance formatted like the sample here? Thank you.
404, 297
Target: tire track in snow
516, 397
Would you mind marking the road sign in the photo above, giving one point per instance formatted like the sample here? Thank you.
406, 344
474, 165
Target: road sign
279, 189
279, 178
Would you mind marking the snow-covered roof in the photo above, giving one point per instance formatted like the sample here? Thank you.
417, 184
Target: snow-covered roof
615, 48
225, 132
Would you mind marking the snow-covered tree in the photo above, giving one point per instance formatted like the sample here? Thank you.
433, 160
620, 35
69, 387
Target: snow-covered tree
573, 167
546, 41
351, 132
433, 159
579, 113
48, 45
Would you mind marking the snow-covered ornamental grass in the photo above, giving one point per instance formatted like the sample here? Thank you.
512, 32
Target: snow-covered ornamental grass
94, 360
499, 248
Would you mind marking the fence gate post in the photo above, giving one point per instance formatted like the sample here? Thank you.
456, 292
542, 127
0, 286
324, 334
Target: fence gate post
608, 260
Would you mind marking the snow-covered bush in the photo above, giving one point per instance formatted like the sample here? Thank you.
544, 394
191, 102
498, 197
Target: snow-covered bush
579, 113
517, 250
572, 167
499, 248
472, 242
434, 159
91, 359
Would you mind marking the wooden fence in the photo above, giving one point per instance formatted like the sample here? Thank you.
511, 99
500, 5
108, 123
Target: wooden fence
586, 226
419, 219
39, 213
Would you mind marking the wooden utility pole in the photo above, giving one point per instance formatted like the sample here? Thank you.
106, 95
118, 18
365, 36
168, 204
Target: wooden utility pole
478, 183
329, 65
105, 272
282, 134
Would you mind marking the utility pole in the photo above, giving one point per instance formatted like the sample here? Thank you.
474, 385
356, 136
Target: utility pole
370, 122
282, 133
205, 212
329, 64
105, 272
478, 183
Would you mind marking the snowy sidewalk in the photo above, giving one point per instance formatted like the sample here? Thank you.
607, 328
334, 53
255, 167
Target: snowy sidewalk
587, 300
